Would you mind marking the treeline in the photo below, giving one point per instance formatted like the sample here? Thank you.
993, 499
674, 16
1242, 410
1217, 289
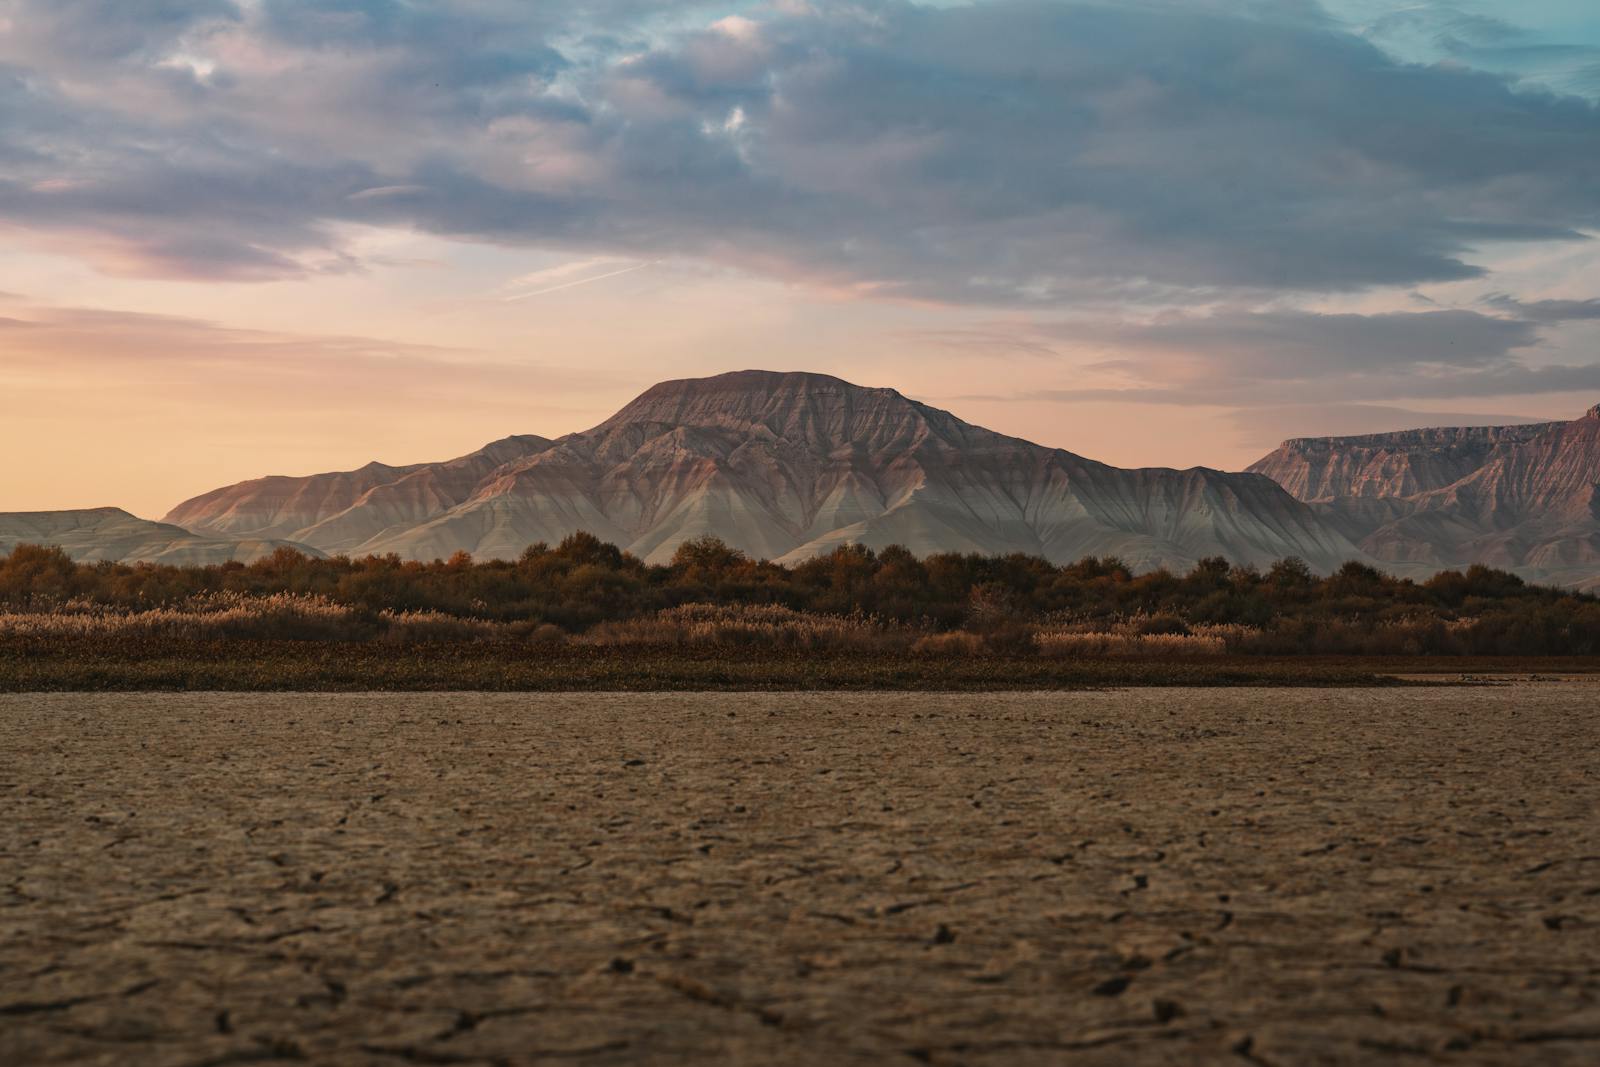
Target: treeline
1008, 603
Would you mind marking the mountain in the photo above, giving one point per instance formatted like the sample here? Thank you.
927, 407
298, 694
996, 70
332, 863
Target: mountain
783, 466
277, 506
342, 511
1525, 498
1384, 465
95, 534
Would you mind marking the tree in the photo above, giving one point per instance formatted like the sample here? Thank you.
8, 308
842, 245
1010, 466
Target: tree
43, 572
1291, 572
706, 557
585, 548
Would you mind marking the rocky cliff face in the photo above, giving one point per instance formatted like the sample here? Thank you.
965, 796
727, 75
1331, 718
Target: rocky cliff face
95, 534
783, 466
1525, 498
1386, 464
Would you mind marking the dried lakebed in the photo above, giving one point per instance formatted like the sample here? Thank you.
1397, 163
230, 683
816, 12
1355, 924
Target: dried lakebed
1145, 876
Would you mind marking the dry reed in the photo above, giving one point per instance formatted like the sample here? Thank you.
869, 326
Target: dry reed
751, 626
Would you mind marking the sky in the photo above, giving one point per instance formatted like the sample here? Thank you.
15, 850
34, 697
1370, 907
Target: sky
248, 237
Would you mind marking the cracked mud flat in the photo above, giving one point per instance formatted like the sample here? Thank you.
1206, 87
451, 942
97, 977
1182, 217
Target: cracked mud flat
1147, 876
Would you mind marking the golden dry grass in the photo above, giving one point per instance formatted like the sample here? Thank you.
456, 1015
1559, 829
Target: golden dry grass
747, 625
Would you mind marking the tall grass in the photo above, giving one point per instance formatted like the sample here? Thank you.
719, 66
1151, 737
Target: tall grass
1112, 645
749, 626
216, 616
955, 643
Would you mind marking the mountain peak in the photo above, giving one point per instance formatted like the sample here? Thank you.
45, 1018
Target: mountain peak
1593, 413
757, 385
756, 380
785, 402
75, 514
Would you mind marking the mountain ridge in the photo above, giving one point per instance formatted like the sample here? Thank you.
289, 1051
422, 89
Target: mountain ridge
787, 465
92, 535
1523, 497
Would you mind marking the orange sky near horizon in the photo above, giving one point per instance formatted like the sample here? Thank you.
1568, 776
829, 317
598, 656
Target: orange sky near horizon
448, 346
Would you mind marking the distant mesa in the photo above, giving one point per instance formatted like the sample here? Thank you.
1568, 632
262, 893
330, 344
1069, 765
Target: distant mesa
1522, 498
1398, 464
788, 466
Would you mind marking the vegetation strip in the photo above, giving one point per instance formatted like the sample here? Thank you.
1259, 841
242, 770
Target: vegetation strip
586, 616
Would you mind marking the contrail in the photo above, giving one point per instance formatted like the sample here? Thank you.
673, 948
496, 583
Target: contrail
581, 281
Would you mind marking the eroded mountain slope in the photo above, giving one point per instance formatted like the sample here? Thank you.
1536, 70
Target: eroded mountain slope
95, 534
787, 466
1520, 497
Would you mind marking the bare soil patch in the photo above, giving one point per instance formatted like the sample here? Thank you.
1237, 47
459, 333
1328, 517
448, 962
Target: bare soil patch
1142, 876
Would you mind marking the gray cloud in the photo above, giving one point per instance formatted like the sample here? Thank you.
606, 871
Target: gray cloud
1299, 344
1545, 311
1432, 31
1010, 152
100, 31
1248, 359
1515, 380
1002, 339
1267, 345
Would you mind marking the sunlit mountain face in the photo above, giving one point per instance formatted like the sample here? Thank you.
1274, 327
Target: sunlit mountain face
783, 466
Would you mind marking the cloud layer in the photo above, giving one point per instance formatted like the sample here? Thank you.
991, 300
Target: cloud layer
1250, 358
1008, 152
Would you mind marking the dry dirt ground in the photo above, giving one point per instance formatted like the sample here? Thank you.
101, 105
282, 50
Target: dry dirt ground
1147, 876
